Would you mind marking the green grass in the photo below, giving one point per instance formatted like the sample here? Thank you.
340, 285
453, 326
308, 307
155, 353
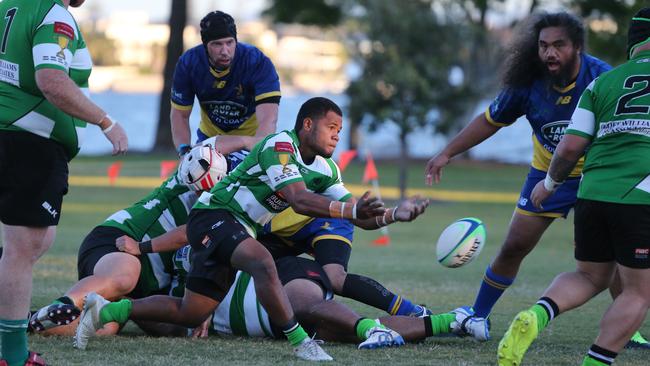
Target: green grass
407, 266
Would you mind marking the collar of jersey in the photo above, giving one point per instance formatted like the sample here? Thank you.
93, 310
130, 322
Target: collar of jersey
219, 74
641, 54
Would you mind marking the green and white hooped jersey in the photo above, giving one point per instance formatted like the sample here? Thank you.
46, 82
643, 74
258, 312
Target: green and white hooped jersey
240, 313
614, 113
163, 210
34, 35
250, 191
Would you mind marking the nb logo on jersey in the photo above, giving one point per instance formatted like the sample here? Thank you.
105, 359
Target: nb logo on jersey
151, 204
563, 100
326, 226
46, 205
219, 84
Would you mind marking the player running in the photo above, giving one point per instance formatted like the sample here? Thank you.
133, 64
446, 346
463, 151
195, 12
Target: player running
612, 215
546, 72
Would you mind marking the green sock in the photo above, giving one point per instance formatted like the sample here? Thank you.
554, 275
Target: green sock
441, 323
363, 326
295, 334
116, 312
14, 341
542, 316
638, 338
588, 361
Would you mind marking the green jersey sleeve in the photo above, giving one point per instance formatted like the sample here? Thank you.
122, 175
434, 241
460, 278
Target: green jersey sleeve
55, 40
583, 121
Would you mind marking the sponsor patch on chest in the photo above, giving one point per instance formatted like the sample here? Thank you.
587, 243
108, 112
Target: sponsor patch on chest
554, 131
283, 146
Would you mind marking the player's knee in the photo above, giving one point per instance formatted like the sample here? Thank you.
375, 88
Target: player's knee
262, 269
124, 284
337, 275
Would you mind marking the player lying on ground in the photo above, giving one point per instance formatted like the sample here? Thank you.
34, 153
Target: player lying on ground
158, 221
310, 294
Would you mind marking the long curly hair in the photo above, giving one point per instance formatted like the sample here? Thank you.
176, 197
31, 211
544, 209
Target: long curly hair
523, 65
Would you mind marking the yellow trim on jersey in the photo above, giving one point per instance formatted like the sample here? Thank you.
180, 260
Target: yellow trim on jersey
565, 89
219, 74
542, 159
248, 128
492, 121
267, 95
554, 215
288, 222
331, 236
181, 107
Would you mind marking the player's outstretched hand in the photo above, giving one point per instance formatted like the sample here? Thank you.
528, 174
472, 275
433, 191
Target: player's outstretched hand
128, 245
433, 170
368, 207
117, 136
539, 194
411, 208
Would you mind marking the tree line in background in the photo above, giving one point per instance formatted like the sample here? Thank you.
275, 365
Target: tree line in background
422, 62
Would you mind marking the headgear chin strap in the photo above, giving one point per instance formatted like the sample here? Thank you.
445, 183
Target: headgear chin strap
217, 25
639, 31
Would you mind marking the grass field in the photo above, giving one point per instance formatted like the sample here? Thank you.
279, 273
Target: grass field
407, 266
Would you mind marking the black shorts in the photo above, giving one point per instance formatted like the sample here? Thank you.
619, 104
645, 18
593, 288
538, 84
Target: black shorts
213, 235
292, 268
606, 232
34, 173
100, 242
325, 251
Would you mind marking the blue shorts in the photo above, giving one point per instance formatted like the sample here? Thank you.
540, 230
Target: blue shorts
334, 236
557, 205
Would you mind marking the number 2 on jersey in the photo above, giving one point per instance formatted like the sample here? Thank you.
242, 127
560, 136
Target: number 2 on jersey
11, 13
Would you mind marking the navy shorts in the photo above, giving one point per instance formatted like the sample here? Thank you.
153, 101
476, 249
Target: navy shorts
557, 205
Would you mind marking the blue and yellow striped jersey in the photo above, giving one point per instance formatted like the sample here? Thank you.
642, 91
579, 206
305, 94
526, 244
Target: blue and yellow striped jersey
227, 98
547, 108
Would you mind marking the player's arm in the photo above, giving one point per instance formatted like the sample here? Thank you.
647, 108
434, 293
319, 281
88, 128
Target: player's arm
63, 93
267, 117
406, 211
473, 134
315, 205
180, 123
167, 242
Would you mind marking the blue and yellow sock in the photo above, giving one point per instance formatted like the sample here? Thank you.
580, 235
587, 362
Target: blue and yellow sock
402, 306
14, 341
492, 287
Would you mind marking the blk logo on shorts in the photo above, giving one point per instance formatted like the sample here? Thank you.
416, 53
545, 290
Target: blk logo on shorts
641, 253
46, 205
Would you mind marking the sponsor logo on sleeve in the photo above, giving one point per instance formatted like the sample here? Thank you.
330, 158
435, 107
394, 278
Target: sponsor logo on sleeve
64, 29
283, 150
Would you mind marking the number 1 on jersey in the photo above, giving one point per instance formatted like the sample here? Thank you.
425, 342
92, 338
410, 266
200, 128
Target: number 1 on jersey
11, 13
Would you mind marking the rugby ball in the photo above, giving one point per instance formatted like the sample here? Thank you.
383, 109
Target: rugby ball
460, 242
